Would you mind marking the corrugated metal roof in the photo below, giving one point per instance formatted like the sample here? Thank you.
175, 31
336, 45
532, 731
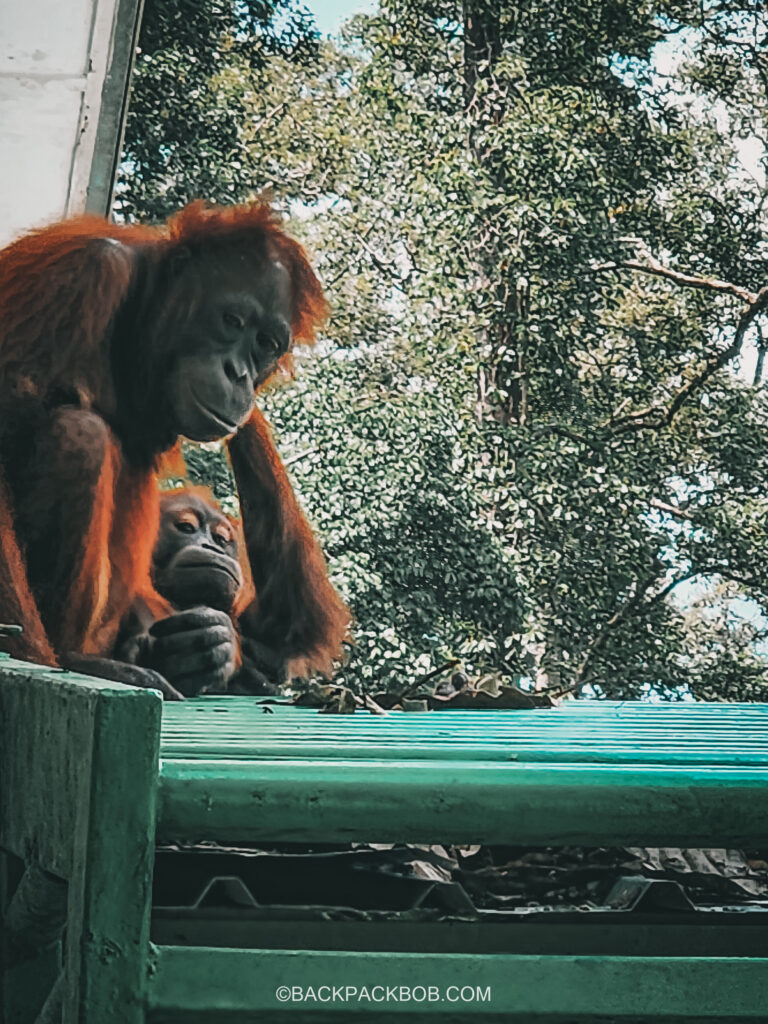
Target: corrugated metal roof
598, 732
582, 774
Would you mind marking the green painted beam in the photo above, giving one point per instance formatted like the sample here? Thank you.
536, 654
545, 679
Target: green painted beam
81, 763
235, 986
462, 802
112, 892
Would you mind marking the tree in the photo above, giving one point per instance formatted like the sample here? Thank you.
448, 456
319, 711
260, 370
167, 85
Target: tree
602, 358
525, 431
185, 132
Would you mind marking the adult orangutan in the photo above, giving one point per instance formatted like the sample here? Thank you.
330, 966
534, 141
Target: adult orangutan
115, 340
196, 567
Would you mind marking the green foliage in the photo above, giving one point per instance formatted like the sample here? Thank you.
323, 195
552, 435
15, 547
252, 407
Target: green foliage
207, 464
392, 494
527, 428
186, 132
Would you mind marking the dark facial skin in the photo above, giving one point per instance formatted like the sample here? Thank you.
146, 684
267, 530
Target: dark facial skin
195, 558
229, 343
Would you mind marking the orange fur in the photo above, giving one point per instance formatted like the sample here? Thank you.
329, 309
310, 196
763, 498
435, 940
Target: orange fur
171, 463
198, 223
19, 605
295, 598
87, 600
61, 288
157, 607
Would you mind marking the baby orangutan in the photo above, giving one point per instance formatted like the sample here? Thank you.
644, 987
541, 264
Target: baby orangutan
197, 566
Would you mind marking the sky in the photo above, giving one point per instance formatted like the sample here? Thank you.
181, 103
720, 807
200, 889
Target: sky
329, 14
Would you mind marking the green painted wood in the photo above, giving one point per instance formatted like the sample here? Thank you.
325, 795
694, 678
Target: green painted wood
242, 986
46, 730
591, 773
24, 982
78, 785
116, 880
732, 934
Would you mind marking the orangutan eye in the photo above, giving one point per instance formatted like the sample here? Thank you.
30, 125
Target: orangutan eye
185, 526
269, 344
222, 534
234, 321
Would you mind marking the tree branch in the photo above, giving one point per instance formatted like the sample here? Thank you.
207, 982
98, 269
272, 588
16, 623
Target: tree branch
601, 639
652, 266
636, 602
559, 430
673, 510
757, 305
659, 416
630, 606
390, 269
293, 459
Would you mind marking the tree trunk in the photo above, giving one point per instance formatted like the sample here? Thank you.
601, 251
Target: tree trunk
501, 339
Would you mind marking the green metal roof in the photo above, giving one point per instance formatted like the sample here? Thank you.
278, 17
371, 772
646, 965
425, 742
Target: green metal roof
587, 772
599, 732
